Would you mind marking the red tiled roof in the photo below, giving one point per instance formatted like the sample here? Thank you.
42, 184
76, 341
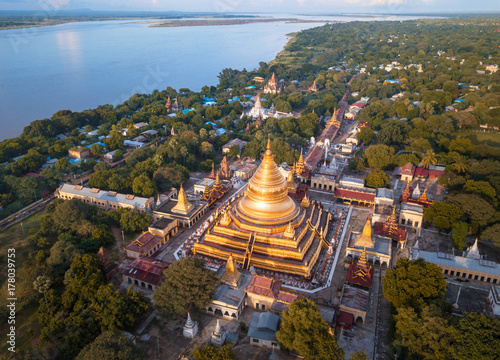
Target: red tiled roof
35, 175
354, 195
261, 285
380, 229
345, 317
435, 172
143, 243
422, 172
146, 269
408, 169
359, 104
287, 297
352, 278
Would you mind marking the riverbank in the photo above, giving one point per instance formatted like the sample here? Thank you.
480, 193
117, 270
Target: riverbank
178, 23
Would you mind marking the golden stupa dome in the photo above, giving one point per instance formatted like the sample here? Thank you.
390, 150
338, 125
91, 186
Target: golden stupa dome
266, 199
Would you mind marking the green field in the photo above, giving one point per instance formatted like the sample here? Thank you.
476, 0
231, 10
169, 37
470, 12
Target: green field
16, 237
479, 137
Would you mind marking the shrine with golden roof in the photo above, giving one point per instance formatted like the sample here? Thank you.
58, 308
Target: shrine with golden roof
267, 229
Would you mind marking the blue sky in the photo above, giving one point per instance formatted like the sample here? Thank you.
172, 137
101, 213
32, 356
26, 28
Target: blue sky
277, 6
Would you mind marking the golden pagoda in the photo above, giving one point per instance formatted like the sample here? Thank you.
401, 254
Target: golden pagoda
168, 105
231, 276
300, 167
268, 229
406, 193
391, 225
365, 240
183, 206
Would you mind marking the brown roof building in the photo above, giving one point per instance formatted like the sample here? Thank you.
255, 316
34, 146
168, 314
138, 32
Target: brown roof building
145, 272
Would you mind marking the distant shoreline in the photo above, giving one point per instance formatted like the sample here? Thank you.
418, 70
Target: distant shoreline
177, 23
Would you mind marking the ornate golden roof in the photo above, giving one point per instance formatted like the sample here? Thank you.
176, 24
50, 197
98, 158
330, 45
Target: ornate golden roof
365, 239
266, 200
183, 206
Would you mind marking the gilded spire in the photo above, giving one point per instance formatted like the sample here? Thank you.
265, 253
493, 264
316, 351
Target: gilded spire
290, 231
183, 206
267, 194
231, 276
305, 202
365, 239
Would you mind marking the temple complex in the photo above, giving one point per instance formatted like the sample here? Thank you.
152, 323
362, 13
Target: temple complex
376, 248
257, 110
215, 191
422, 199
391, 229
266, 229
181, 210
273, 86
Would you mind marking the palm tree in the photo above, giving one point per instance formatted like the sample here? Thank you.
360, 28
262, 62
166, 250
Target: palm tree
461, 164
429, 158
42, 284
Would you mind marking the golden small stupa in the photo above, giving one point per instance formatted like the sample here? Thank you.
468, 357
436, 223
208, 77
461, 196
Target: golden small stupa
183, 206
268, 229
231, 276
365, 240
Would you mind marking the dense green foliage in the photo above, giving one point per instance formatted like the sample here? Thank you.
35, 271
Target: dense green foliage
304, 331
110, 346
188, 286
413, 283
210, 352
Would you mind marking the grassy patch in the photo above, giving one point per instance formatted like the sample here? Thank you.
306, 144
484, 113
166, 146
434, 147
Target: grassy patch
27, 330
479, 137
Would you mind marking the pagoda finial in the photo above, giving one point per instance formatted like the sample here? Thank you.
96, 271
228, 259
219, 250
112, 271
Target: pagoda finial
362, 260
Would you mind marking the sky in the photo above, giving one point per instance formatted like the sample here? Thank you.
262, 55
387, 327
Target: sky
275, 6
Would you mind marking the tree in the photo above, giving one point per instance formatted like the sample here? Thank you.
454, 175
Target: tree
131, 221
206, 148
118, 155
210, 352
166, 177
377, 179
442, 214
143, 186
304, 331
110, 346
61, 256
234, 151
115, 141
69, 213
97, 149
413, 283
356, 164
188, 286
63, 165
458, 234
379, 156
476, 336
483, 189
492, 233
460, 164
365, 135
427, 335
42, 285
359, 355
429, 158
476, 209
392, 133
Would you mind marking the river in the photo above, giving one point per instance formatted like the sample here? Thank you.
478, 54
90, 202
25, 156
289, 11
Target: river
81, 65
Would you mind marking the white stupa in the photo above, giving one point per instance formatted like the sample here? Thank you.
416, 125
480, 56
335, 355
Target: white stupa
191, 328
219, 335
473, 251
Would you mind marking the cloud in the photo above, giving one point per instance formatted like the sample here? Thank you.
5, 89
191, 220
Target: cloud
386, 2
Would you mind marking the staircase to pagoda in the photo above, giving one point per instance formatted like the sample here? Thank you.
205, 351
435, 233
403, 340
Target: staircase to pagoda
251, 241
